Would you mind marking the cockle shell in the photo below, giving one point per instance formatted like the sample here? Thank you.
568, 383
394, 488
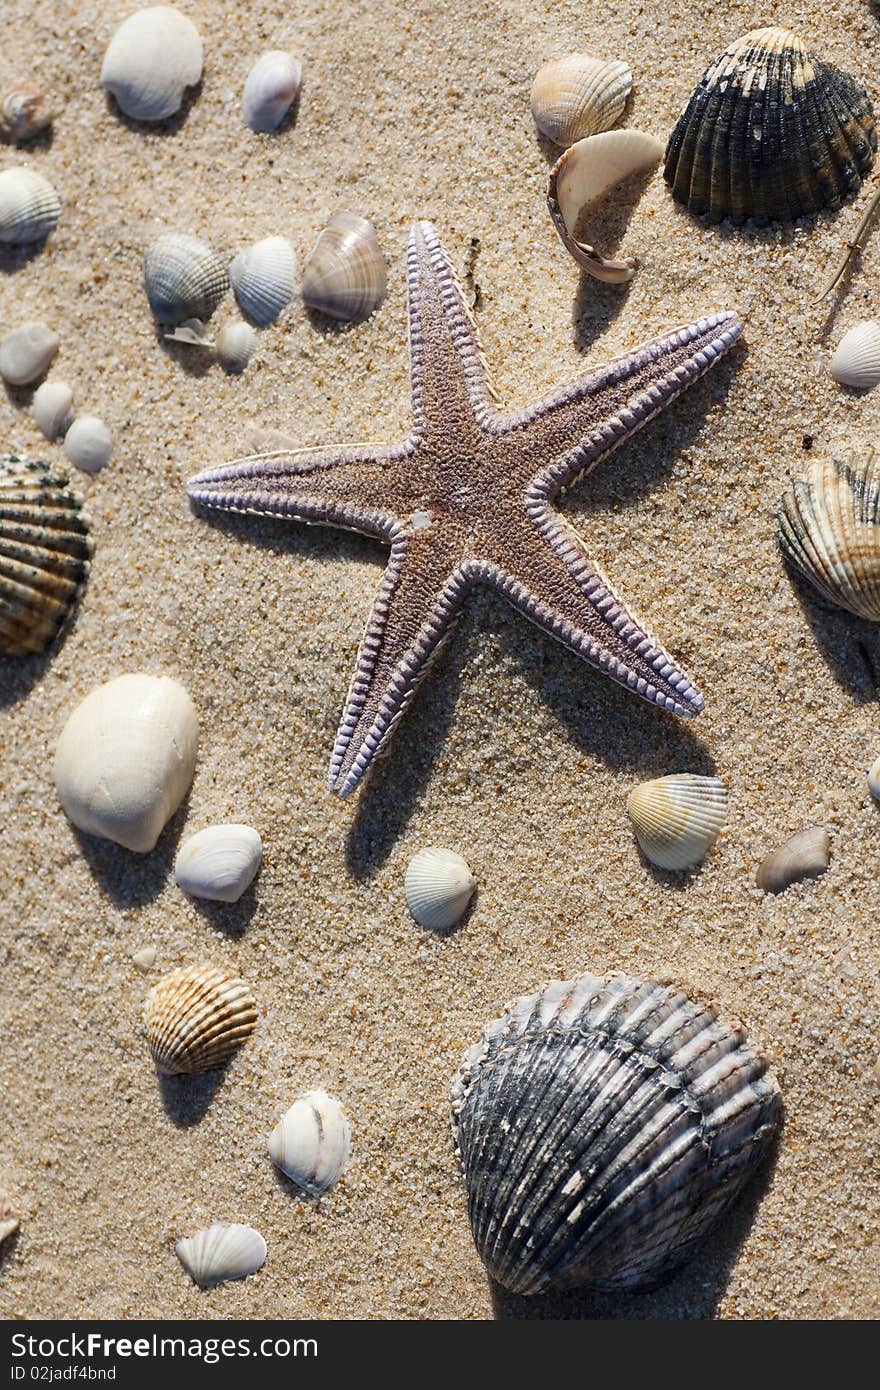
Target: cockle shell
223, 1251
602, 1126
29, 207
9, 1222
584, 173
236, 345
438, 886
44, 555
196, 1019
26, 353
271, 88
150, 61
264, 279
577, 96
770, 132
805, 855
88, 444
345, 276
24, 111
677, 819
829, 530
53, 408
311, 1144
183, 278
219, 863
126, 757
856, 361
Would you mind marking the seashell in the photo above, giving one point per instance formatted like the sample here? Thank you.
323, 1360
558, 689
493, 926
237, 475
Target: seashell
829, 530
87, 444
874, 779
44, 555
126, 757
183, 278
438, 886
197, 1018
584, 173
219, 863
577, 96
29, 207
677, 819
856, 362
602, 1127
264, 279
770, 132
311, 1144
24, 111
221, 1252
53, 408
191, 331
150, 61
345, 276
271, 89
26, 353
236, 345
145, 958
805, 855
9, 1222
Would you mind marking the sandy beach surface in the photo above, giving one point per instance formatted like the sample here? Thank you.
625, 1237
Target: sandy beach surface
515, 753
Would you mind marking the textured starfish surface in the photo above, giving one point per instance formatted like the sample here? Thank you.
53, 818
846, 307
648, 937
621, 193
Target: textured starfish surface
467, 499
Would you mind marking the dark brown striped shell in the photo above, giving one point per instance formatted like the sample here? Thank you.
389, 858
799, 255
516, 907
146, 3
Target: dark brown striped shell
770, 133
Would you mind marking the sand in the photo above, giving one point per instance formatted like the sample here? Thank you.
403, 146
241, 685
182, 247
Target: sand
516, 753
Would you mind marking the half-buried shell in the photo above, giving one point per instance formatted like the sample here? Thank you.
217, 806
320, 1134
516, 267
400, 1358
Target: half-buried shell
582, 175
829, 531
602, 1127
805, 855
197, 1017
677, 819
577, 95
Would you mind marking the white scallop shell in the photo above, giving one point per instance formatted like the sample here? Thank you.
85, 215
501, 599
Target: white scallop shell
264, 278
856, 362
236, 345
26, 353
677, 819
53, 407
150, 61
345, 275
312, 1142
577, 96
805, 855
88, 444
126, 757
29, 207
184, 278
219, 863
586, 171
271, 88
438, 885
223, 1251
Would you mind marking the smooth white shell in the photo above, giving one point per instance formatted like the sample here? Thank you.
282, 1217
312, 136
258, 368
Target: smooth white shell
856, 361
145, 958
26, 353
577, 95
236, 345
150, 61
271, 88
345, 275
126, 757
312, 1142
223, 1251
88, 444
53, 408
264, 278
29, 207
184, 278
677, 819
219, 863
438, 885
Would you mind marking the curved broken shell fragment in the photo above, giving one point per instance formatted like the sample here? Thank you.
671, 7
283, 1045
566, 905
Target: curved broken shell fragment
191, 331
8, 1220
584, 173
805, 855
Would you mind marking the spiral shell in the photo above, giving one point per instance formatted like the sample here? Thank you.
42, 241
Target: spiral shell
24, 111
438, 887
577, 96
223, 1251
219, 863
311, 1144
264, 279
29, 207
345, 276
583, 174
829, 531
152, 58
184, 278
271, 89
196, 1019
856, 361
677, 819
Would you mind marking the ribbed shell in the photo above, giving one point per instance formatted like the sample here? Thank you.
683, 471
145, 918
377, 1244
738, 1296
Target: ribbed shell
602, 1126
829, 530
29, 207
438, 885
770, 133
223, 1251
44, 554
677, 819
345, 276
184, 278
578, 95
856, 361
197, 1017
264, 278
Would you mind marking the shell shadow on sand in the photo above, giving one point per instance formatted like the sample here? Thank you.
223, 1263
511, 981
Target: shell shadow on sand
131, 879
187, 1099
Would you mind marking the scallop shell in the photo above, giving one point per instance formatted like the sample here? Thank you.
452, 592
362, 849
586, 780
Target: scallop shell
584, 173
126, 757
152, 58
223, 1251
88, 444
29, 207
577, 96
53, 408
271, 89
772, 133
197, 1018
438, 886
236, 345
219, 863
602, 1127
9, 1222
183, 278
829, 530
26, 353
805, 855
312, 1142
856, 362
24, 111
44, 555
677, 819
345, 276
264, 279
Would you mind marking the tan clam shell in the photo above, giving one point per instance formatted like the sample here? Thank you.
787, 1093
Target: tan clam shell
677, 819
345, 276
578, 95
829, 531
805, 855
25, 110
29, 207
197, 1017
584, 173
856, 360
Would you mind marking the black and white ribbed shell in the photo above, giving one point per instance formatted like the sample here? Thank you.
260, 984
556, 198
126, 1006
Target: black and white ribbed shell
602, 1126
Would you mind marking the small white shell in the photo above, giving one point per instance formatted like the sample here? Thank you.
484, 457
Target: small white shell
856, 361
438, 885
88, 444
126, 757
145, 958
29, 207
53, 408
677, 819
236, 345
219, 863
24, 111
191, 331
264, 279
345, 276
26, 353
271, 88
9, 1222
223, 1251
577, 95
805, 855
874, 779
312, 1142
184, 278
150, 61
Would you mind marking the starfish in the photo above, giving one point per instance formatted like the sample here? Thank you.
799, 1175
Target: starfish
466, 499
